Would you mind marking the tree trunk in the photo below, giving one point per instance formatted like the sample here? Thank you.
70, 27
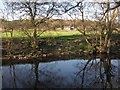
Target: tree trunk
35, 39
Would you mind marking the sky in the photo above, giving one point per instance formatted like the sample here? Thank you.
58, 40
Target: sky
1, 4
1, 7
65, 16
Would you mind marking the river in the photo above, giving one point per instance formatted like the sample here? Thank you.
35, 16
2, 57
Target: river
73, 73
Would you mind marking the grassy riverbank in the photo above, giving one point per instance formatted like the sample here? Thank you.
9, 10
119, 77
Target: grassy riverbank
59, 43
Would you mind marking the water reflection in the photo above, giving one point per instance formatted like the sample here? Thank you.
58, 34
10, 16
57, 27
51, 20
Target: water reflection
92, 73
98, 73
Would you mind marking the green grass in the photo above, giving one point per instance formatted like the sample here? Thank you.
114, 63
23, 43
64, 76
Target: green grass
18, 34
63, 41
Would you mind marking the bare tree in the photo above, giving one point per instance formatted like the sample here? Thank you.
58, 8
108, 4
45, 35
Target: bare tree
117, 4
104, 23
34, 10
108, 25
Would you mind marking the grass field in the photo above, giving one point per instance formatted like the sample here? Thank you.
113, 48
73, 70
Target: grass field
51, 33
18, 34
71, 41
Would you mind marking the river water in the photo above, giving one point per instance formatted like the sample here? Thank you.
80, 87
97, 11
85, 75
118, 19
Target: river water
73, 73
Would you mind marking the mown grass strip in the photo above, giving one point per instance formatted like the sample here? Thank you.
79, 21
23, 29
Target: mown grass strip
18, 34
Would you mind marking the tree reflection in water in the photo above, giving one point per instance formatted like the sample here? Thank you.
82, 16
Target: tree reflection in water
13, 76
50, 80
105, 77
91, 73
